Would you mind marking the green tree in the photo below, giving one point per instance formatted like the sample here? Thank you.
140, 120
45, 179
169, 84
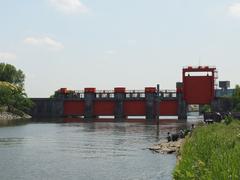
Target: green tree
237, 91
14, 98
5, 95
10, 74
12, 94
236, 99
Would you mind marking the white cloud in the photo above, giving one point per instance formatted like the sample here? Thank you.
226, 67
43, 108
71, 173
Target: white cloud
44, 41
69, 6
234, 9
7, 56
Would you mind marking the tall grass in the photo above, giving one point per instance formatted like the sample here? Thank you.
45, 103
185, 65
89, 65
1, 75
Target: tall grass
212, 152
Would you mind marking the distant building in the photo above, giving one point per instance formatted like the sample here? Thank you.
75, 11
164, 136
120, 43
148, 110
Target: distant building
224, 91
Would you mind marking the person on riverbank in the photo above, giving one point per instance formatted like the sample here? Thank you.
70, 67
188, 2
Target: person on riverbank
192, 127
172, 137
181, 134
169, 137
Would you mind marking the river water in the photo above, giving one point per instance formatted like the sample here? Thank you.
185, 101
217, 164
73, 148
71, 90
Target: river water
89, 150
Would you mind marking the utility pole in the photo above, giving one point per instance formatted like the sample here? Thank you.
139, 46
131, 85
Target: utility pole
158, 107
158, 102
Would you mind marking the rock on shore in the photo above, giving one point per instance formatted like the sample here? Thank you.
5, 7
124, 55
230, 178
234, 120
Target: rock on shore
5, 116
167, 147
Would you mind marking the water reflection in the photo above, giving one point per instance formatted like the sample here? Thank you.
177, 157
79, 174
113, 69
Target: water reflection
14, 122
85, 150
10, 141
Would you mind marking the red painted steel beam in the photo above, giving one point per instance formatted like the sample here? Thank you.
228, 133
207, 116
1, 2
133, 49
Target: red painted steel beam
74, 107
150, 89
168, 108
103, 108
199, 69
119, 90
134, 108
90, 90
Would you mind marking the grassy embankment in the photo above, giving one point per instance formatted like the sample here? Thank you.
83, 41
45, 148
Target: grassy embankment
212, 152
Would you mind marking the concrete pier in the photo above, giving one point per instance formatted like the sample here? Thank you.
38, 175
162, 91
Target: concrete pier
182, 106
47, 107
119, 95
150, 95
89, 97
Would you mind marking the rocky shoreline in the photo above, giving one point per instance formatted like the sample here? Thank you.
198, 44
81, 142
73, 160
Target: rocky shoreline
8, 117
165, 147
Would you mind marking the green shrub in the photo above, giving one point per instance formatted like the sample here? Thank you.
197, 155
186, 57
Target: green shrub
205, 108
228, 119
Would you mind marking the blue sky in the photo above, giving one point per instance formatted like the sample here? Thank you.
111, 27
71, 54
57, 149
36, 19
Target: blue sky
108, 43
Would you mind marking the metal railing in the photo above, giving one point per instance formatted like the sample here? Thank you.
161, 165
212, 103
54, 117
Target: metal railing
197, 67
167, 93
129, 94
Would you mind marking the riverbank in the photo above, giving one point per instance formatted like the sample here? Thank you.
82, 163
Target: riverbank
211, 152
7, 118
165, 147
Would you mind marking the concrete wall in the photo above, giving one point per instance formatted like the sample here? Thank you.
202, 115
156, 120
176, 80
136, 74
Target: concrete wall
47, 107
